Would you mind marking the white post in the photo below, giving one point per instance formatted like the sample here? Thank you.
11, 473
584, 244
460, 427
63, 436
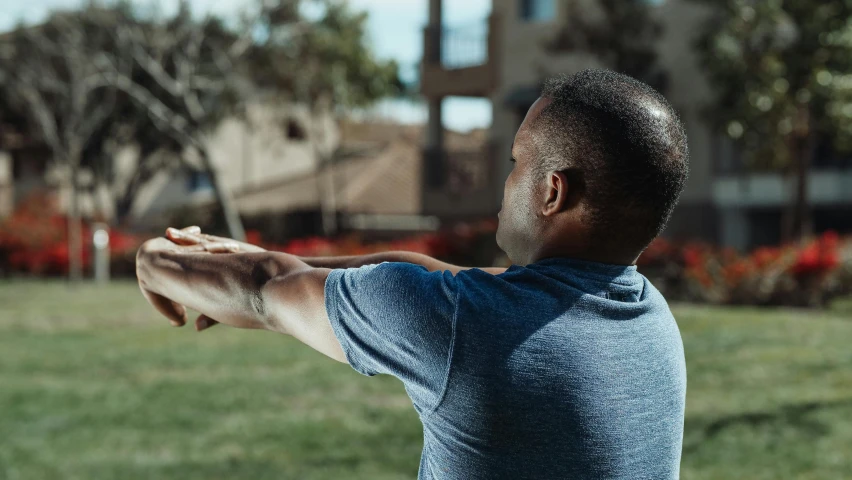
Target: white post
100, 240
7, 185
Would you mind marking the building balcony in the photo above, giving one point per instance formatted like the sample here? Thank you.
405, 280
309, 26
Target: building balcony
460, 61
755, 190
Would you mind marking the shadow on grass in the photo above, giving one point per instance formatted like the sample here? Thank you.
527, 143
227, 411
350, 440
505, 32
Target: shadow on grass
788, 416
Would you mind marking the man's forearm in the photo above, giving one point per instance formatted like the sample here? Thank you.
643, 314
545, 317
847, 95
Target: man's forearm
431, 264
355, 261
227, 287
352, 261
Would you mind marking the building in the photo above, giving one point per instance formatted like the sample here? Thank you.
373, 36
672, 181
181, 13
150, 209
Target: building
271, 161
506, 60
374, 186
267, 145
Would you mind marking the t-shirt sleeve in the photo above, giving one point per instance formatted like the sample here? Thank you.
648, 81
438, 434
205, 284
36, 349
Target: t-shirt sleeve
396, 319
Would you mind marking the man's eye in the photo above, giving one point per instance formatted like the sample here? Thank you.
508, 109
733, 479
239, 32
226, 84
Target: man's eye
512, 159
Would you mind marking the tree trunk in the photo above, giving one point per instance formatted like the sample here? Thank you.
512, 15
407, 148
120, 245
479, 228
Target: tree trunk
327, 155
797, 222
328, 199
124, 202
801, 208
75, 243
223, 197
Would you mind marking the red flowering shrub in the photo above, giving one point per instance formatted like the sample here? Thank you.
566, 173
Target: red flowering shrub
819, 256
809, 274
34, 240
462, 241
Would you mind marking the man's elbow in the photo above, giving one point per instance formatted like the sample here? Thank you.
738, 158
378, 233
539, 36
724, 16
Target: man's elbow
293, 302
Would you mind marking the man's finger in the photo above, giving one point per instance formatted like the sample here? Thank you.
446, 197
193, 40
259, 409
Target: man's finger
221, 247
175, 312
184, 237
203, 322
206, 237
192, 249
214, 238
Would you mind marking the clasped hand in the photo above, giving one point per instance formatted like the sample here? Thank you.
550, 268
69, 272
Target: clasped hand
185, 241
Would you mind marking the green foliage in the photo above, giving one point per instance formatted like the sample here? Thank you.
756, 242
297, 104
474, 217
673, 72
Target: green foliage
621, 33
326, 59
781, 73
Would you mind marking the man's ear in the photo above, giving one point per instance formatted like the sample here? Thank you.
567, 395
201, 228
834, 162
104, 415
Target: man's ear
564, 190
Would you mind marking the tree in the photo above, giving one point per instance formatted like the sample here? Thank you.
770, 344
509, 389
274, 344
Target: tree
50, 76
189, 82
327, 65
621, 33
172, 80
201, 71
126, 125
780, 71
156, 153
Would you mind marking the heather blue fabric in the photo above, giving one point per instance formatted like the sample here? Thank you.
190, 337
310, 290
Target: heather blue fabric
560, 369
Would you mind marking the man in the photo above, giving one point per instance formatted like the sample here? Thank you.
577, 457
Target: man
568, 364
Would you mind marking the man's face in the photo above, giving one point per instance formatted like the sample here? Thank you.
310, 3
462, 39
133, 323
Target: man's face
519, 218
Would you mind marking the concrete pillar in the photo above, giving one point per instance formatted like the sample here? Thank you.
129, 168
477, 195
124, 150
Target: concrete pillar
432, 34
735, 230
433, 166
435, 13
434, 125
434, 157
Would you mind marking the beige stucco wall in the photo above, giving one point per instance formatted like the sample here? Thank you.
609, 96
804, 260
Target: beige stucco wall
256, 150
248, 153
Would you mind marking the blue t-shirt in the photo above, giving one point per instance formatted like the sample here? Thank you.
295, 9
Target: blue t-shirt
560, 369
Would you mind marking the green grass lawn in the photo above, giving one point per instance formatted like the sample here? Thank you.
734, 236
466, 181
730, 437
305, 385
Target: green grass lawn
93, 385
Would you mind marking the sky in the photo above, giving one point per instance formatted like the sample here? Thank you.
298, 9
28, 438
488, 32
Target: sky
395, 29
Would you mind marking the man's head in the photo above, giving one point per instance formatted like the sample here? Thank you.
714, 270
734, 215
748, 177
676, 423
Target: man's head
600, 161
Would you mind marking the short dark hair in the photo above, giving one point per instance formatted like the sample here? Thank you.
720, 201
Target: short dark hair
626, 145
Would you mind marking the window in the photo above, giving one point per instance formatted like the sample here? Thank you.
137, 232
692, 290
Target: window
538, 10
197, 181
295, 130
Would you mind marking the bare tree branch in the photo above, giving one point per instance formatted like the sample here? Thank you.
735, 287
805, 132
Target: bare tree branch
170, 121
135, 39
186, 66
42, 115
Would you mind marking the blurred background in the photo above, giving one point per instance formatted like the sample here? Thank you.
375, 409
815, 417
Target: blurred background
323, 127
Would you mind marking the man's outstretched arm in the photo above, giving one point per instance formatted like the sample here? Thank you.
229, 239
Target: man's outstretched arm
193, 237
431, 264
264, 290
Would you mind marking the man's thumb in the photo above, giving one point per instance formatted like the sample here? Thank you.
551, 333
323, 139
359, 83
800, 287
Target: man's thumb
203, 322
